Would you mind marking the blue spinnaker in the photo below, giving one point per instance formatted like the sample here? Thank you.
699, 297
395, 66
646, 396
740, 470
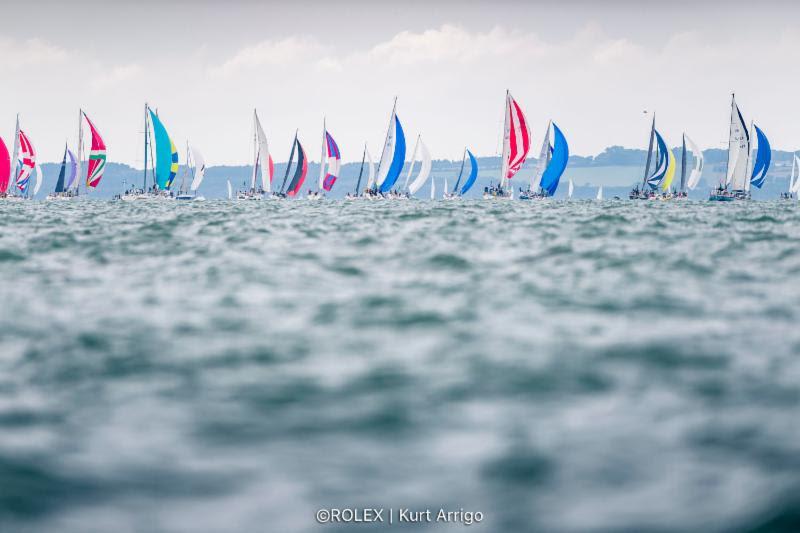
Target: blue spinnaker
473, 174
558, 163
763, 158
397, 160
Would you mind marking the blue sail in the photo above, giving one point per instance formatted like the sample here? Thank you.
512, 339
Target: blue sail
473, 174
558, 163
661, 168
398, 159
763, 159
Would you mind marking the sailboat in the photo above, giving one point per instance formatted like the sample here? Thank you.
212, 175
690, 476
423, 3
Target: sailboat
600, 193
365, 158
663, 171
433, 188
516, 143
392, 158
5, 168
62, 190
330, 162
794, 179
570, 188
16, 173
470, 181
193, 156
164, 163
735, 184
262, 160
689, 182
551, 165
424, 169
230, 191
301, 169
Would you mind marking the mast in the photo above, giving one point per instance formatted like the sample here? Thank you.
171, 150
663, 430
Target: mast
289, 164
255, 153
730, 134
506, 141
361, 170
12, 183
413, 160
649, 152
386, 140
80, 151
146, 135
460, 172
683, 164
322, 157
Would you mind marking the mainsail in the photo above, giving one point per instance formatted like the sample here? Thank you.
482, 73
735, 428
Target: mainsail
27, 161
558, 162
371, 179
331, 160
263, 157
516, 140
570, 189
738, 150
424, 171
5, 167
73, 169
694, 177
97, 157
543, 161
166, 154
394, 154
300, 171
796, 187
199, 169
763, 159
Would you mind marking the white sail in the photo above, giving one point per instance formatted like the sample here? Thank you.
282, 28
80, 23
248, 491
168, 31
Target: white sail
412, 163
570, 189
230, 191
445, 185
433, 189
424, 170
738, 151
199, 169
38, 183
600, 193
323, 158
796, 186
371, 180
544, 159
263, 156
388, 149
694, 177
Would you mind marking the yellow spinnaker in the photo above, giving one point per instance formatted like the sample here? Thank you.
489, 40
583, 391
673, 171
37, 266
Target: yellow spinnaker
667, 181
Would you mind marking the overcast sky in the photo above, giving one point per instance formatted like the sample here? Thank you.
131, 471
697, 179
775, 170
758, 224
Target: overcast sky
593, 67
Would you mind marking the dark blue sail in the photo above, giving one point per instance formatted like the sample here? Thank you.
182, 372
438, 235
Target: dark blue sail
398, 159
473, 174
558, 163
661, 168
62, 173
763, 159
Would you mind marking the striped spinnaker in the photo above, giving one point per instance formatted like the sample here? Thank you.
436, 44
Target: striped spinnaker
27, 158
334, 162
97, 157
519, 137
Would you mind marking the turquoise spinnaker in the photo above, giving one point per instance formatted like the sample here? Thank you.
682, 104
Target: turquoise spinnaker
166, 154
558, 163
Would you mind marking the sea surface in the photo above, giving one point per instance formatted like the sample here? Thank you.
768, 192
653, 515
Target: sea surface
557, 366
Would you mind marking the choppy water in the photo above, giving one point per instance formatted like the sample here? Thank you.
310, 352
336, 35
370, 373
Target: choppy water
568, 367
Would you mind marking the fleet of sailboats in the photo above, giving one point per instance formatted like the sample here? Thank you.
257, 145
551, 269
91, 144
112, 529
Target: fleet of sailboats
749, 158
